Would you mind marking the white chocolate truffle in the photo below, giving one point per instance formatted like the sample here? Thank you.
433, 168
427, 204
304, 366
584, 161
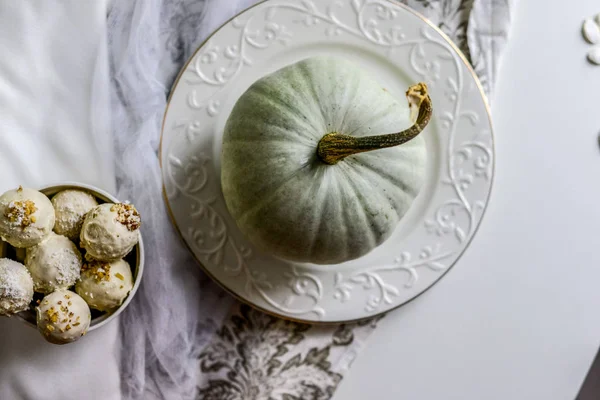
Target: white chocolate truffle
26, 217
63, 317
54, 264
70, 207
16, 287
104, 286
110, 231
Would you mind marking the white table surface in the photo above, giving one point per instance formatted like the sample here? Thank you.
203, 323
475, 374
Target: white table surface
519, 316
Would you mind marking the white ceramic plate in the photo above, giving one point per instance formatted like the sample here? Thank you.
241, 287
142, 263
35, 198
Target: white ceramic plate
399, 48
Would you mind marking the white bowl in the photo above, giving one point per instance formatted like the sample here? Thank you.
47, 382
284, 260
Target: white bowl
135, 258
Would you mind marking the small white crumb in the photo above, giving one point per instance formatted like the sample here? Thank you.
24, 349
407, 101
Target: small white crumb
594, 55
591, 31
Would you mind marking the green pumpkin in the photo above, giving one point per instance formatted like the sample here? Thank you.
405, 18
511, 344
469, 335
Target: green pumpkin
298, 172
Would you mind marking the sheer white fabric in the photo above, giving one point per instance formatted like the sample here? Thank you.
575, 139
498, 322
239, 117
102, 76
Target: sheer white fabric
176, 309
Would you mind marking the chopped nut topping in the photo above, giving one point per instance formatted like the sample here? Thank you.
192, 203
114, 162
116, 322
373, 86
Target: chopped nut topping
60, 302
50, 328
20, 189
68, 327
77, 324
69, 303
127, 215
20, 212
121, 287
52, 315
98, 269
121, 277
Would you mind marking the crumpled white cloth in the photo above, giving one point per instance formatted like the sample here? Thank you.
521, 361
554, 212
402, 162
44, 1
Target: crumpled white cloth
187, 339
54, 108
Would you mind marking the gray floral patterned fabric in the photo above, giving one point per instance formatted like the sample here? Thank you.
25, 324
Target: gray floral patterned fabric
258, 356
183, 337
478, 27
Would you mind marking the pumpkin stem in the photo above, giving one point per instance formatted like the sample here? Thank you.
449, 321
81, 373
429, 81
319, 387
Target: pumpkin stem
334, 147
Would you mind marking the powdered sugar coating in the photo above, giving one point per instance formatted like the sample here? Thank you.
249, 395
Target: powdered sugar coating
104, 237
54, 264
19, 228
16, 287
104, 286
70, 207
63, 317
